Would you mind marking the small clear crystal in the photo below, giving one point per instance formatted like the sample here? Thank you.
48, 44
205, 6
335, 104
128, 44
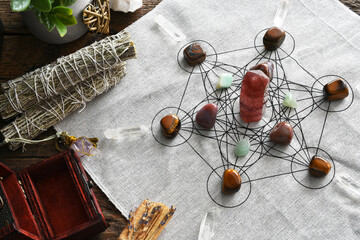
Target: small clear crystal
281, 13
208, 224
169, 28
125, 5
126, 132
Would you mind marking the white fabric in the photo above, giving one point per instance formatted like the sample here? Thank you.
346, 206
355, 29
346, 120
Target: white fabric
327, 35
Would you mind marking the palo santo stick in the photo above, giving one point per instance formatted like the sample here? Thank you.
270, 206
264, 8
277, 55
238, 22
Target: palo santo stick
163, 223
49, 112
22, 93
147, 222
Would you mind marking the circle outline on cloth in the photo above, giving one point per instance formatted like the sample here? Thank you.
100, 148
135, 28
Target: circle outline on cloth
185, 139
328, 158
241, 187
265, 52
351, 92
181, 61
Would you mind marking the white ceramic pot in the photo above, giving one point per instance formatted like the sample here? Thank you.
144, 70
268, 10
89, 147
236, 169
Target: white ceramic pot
73, 32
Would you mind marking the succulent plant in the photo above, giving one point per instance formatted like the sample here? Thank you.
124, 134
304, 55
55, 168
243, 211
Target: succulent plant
52, 13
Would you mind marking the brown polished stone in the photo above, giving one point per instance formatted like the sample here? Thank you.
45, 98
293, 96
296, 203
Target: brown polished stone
265, 67
231, 181
336, 90
282, 133
319, 167
170, 125
206, 116
194, 54
273, 38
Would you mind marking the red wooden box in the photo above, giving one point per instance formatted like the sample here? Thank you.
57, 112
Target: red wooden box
52, 200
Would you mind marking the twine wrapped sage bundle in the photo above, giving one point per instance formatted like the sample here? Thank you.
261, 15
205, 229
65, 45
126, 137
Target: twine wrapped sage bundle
58, 89
44, 83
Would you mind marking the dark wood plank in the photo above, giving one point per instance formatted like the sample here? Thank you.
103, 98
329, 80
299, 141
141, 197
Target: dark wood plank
30, 53
12, 21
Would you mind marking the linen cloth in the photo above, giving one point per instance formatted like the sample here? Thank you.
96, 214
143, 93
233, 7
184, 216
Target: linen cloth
326, 36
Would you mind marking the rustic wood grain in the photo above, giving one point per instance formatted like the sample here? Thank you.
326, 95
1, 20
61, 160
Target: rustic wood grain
22, 53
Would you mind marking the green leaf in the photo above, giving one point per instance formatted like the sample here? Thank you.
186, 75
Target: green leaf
64, 14
48, 20
66, 19
19, 5
38, 15
42, 5
62, 10
60, 27
67, 3
56, 3
31, 8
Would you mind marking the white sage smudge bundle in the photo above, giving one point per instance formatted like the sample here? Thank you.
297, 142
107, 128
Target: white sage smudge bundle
24, 92
47, 113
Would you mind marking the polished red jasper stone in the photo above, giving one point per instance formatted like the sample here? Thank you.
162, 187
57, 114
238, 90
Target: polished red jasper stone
266, 67
231, 181
319, 167
194, 54
336, 90
273, 38
252, 95
170, 125
206, 116
282, 133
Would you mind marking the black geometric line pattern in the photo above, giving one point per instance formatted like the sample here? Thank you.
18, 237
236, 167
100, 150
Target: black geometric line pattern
293, 160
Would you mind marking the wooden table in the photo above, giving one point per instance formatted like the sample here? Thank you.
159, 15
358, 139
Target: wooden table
21, 53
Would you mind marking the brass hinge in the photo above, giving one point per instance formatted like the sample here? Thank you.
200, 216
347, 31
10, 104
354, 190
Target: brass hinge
20, 183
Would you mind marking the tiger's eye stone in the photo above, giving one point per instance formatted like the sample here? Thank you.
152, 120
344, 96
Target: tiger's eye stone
266, 67
194, 54
273, 38
231, 181
170, 125
206, 116
336, 90
282, 133
319, 167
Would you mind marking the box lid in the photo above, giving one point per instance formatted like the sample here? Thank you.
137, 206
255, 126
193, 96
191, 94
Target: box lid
16, 215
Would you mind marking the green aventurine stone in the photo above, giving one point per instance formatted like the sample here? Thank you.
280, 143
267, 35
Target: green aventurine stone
242, 147
225, 81
290, 101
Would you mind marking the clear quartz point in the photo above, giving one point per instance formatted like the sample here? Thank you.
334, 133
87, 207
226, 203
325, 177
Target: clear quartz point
126, 132
208, 224
281, 13
169, 28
